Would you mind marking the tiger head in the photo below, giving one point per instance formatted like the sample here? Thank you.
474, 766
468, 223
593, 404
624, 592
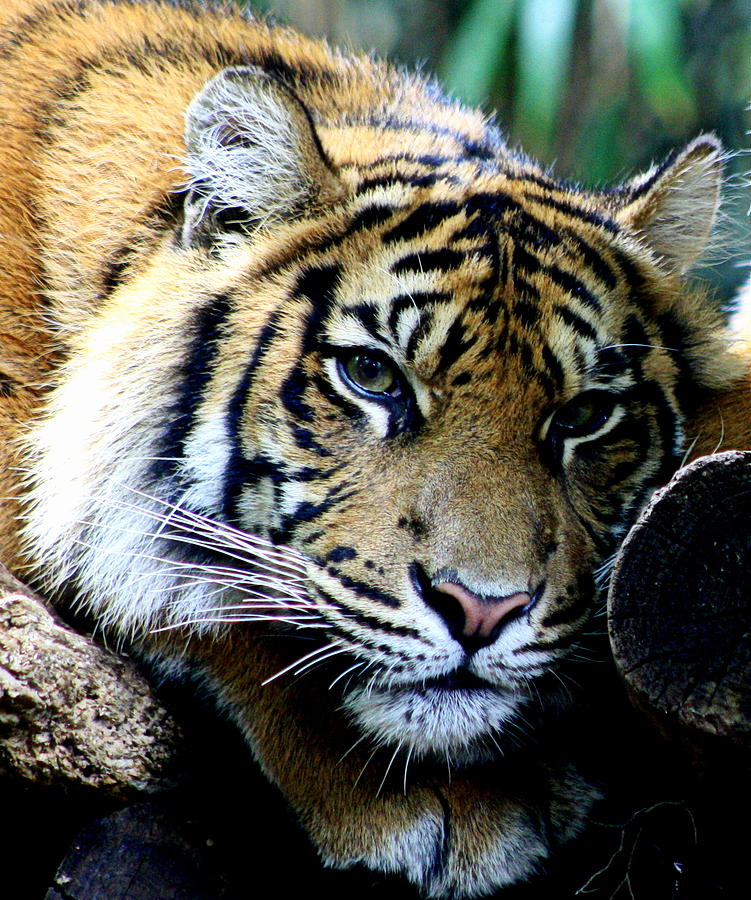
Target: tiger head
444, 379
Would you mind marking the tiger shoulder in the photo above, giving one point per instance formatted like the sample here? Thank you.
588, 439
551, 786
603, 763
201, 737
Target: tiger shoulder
310, 386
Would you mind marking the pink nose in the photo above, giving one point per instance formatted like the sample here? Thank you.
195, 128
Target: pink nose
482, 615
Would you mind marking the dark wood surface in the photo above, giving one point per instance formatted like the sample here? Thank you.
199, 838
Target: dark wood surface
680, 601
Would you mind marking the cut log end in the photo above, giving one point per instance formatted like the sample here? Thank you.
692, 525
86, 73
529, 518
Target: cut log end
679, 607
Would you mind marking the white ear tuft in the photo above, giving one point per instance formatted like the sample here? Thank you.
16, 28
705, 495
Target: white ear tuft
673, 206
253, 156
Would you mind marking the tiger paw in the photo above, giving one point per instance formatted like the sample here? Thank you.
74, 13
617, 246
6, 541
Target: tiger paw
461, 839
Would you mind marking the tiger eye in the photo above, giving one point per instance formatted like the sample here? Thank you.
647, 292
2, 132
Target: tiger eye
584, 415
370, 373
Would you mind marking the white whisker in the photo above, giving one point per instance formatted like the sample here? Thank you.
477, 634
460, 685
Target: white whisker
357, 665
388, 769
346, 753
313, 653
406, 766
320, 659
365, 766
222, 620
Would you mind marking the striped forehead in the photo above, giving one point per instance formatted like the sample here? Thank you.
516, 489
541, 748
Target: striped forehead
400, 306
462, 270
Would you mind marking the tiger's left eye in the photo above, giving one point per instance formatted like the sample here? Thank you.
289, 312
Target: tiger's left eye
584, 414
370, 372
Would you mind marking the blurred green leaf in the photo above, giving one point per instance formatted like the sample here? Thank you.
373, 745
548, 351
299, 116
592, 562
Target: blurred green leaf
656, 40
601, 143
478, 49
546, 30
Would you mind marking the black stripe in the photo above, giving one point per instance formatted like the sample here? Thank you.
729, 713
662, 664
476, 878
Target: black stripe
527, 313
634, 336
293, 74
367, 314
577, 212
430, 161
611, 362
516, 219
191, 378
455, 345
426, 217
649, 183
592, 259
372, 624
422, 180
667, 423
364, 220
422, 328
326, 389
549, 387
421, 299
571, 284
398, 305
639, 293
525, 287
293, 389
234, 477
445, 260
523, 259
318, 284
371, 593
676, 335
306, 440
576, 322
116, 269
553, 366
307, 511
280, 474
442, 852
486, 150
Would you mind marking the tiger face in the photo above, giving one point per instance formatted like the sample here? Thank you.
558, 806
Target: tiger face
398, 397
456, 515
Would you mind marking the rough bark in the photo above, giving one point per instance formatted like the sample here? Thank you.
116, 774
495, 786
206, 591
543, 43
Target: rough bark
73, 714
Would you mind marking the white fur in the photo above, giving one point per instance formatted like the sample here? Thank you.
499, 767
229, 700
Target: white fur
244, 148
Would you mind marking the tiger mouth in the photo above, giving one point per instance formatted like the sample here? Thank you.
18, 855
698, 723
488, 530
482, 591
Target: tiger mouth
460, 679
454, 713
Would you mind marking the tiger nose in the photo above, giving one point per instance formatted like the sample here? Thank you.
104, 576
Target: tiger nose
475, 621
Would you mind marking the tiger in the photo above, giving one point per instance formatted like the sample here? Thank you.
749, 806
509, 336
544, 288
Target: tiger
316, 392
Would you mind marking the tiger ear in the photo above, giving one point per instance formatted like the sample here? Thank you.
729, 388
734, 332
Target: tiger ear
253, 157
673, 206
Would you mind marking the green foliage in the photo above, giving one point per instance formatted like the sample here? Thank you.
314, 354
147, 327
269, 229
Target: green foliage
600, 84
478, 48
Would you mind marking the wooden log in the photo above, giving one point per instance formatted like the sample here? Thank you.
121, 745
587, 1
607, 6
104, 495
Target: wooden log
73, 714
143, 852
679, 606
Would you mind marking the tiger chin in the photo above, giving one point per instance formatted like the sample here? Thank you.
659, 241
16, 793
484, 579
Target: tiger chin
310, 384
